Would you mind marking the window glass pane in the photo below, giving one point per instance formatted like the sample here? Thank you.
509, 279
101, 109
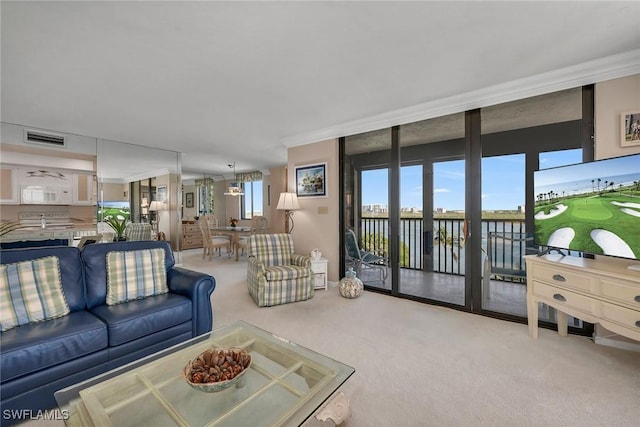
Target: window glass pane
257, 198
552, 159
252, 202
411, 206
248, 197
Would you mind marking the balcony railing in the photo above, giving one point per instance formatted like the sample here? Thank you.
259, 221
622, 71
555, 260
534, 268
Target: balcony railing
447, 241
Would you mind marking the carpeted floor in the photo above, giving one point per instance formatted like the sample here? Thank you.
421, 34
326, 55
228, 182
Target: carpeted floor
422, 365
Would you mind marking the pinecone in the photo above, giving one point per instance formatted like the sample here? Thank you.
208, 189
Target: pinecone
197, 377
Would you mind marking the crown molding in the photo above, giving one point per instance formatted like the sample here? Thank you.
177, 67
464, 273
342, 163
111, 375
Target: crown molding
599, 70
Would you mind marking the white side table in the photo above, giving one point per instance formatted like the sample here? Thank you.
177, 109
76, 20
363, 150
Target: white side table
320, 268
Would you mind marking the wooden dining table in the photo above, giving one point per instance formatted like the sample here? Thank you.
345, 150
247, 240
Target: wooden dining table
235, 233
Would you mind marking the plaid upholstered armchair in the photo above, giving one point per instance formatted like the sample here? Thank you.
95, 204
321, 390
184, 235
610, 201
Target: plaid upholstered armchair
136, 231
275, 274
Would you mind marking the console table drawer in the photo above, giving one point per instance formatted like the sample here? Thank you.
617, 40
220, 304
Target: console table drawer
621, 315
563, 297
565, 279
625, 293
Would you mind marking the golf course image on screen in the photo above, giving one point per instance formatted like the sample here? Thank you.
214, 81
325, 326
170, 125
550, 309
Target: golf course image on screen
590, 207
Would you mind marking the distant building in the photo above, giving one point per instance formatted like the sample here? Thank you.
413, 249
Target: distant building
374, 208
521, 208
410, 210
440, 210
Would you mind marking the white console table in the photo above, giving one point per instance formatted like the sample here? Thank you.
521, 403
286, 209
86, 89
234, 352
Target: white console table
601, 290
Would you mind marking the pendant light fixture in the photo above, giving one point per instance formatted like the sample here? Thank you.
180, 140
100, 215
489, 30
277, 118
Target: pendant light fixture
234, 189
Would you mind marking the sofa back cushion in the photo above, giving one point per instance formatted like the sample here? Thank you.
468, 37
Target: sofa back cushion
71, 274
31, 291
135, 275
94, 258
271, 249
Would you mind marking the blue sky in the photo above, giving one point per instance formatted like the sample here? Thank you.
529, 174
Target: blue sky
257, 199
503, 184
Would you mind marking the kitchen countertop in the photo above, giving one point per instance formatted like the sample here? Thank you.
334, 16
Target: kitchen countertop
38, 233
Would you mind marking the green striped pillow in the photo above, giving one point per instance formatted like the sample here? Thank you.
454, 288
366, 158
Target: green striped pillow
31, 291
135, 274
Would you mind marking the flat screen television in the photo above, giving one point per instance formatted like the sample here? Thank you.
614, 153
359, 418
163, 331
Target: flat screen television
590, 207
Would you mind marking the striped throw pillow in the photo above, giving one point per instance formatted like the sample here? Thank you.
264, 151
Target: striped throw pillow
31, 291
135, 274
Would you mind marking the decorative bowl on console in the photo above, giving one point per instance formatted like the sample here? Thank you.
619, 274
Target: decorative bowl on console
217, 368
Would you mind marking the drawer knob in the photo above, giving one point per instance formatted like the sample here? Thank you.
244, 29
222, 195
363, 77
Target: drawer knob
559, 278
559, 297
637, 298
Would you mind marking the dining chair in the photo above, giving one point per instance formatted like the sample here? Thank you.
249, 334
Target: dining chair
213, 223
210, 242
259, 225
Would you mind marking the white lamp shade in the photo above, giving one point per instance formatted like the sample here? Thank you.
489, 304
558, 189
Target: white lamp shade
288, 202
156, 206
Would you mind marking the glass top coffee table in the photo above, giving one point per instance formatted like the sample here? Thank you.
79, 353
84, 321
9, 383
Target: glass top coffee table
284, 386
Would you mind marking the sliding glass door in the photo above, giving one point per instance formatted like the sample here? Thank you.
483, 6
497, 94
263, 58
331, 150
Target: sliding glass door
368, 200
374, 224
431, 239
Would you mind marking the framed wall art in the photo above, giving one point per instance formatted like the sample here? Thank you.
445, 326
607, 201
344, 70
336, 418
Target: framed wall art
311, 180
188, 200
161, 193
630, 129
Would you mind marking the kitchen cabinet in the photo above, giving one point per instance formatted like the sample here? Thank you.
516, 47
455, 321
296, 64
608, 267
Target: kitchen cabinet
83, 189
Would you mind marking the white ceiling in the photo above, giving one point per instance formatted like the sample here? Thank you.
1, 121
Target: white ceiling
241, 81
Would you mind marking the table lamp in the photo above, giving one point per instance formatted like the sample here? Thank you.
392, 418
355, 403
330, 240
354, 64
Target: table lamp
156, 206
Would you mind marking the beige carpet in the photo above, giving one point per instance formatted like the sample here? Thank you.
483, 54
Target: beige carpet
422, 365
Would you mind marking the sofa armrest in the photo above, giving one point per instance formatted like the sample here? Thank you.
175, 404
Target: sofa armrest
197, 287
301, 260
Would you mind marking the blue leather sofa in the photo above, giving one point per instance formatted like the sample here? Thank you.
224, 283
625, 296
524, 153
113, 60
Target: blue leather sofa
40, 358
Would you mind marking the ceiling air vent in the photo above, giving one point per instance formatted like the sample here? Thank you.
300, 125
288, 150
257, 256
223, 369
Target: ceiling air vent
44, 138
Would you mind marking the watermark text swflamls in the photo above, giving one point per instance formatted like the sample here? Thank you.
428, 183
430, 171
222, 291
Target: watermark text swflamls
30, 414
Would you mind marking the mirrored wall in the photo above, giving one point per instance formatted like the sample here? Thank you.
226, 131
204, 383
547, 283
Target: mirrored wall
147, 179
141, 184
